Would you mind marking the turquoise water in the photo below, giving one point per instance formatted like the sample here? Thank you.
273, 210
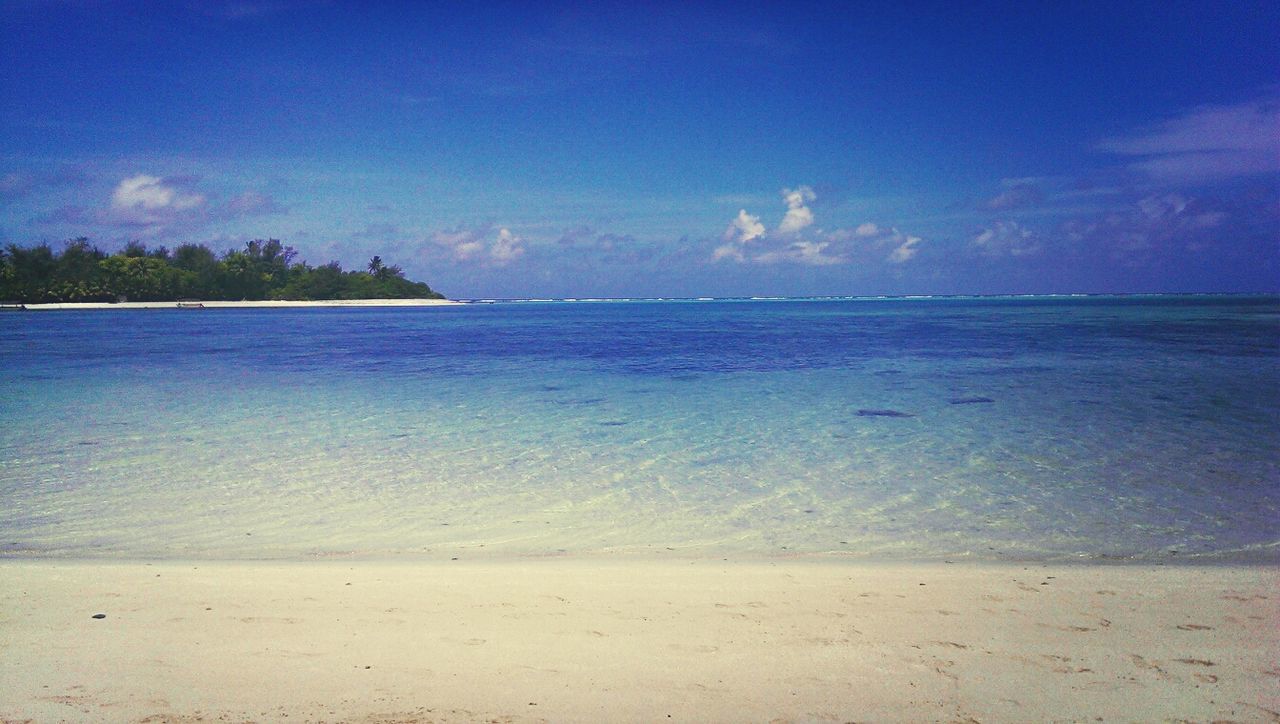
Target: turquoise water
1042, 429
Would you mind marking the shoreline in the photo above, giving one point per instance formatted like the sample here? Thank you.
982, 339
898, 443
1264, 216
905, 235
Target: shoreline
647, 559
18, 306
266, 303
569, 639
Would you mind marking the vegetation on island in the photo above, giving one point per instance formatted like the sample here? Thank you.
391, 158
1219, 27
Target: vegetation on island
81, 272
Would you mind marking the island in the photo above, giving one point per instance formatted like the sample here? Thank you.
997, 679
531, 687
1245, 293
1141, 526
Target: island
263, 273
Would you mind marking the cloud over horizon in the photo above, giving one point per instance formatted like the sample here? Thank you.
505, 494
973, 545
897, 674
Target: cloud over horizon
798, 215
483, 245
146, 205
746, 239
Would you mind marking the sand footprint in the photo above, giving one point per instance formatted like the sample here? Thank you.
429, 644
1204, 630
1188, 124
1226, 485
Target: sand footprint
1142, 663
699, 648
1206, 678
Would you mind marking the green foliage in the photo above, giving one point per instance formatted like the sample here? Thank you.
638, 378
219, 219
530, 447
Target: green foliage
141, 278
262, 270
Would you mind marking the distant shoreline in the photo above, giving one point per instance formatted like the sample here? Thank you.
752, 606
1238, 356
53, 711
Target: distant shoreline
271, 303
423, 302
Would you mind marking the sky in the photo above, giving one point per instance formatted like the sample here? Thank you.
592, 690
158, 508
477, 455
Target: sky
651, 149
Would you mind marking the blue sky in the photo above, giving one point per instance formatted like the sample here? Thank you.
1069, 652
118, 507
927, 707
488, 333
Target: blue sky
533, 149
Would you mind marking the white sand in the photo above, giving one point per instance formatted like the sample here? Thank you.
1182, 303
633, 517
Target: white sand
589, 640
247, 304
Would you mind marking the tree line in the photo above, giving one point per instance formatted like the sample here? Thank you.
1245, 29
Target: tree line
264, 269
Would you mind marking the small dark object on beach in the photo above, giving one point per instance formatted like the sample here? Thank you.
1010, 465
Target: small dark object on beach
883, 413
99, 615
969, 400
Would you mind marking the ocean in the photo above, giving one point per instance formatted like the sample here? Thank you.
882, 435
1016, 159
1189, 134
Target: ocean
1042, 429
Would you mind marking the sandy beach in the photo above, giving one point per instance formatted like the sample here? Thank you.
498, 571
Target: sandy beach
265, 303
636, 640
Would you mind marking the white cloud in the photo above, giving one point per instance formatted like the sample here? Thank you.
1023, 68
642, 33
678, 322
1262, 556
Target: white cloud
744, 228
728, 251
798, 215
812, 253
1176, 209
149, 193
1207, 142
477, 246
747, 241
1155, 207
1006, 238
905, 251
507, 248
1165, 222
1015, 196
464, 244
468, 250
747, 228
153, 204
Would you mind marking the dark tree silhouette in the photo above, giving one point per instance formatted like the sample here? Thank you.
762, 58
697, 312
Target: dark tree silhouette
264, 269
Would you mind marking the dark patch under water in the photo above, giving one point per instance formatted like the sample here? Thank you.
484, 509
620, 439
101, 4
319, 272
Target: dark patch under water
884, 413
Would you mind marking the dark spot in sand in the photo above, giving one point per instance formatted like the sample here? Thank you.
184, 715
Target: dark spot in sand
99, 615
969, 400
883, 413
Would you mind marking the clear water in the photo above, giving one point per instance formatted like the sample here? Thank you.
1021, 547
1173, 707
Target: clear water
1097, 428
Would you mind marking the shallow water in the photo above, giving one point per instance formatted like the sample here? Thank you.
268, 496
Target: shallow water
1096, 428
